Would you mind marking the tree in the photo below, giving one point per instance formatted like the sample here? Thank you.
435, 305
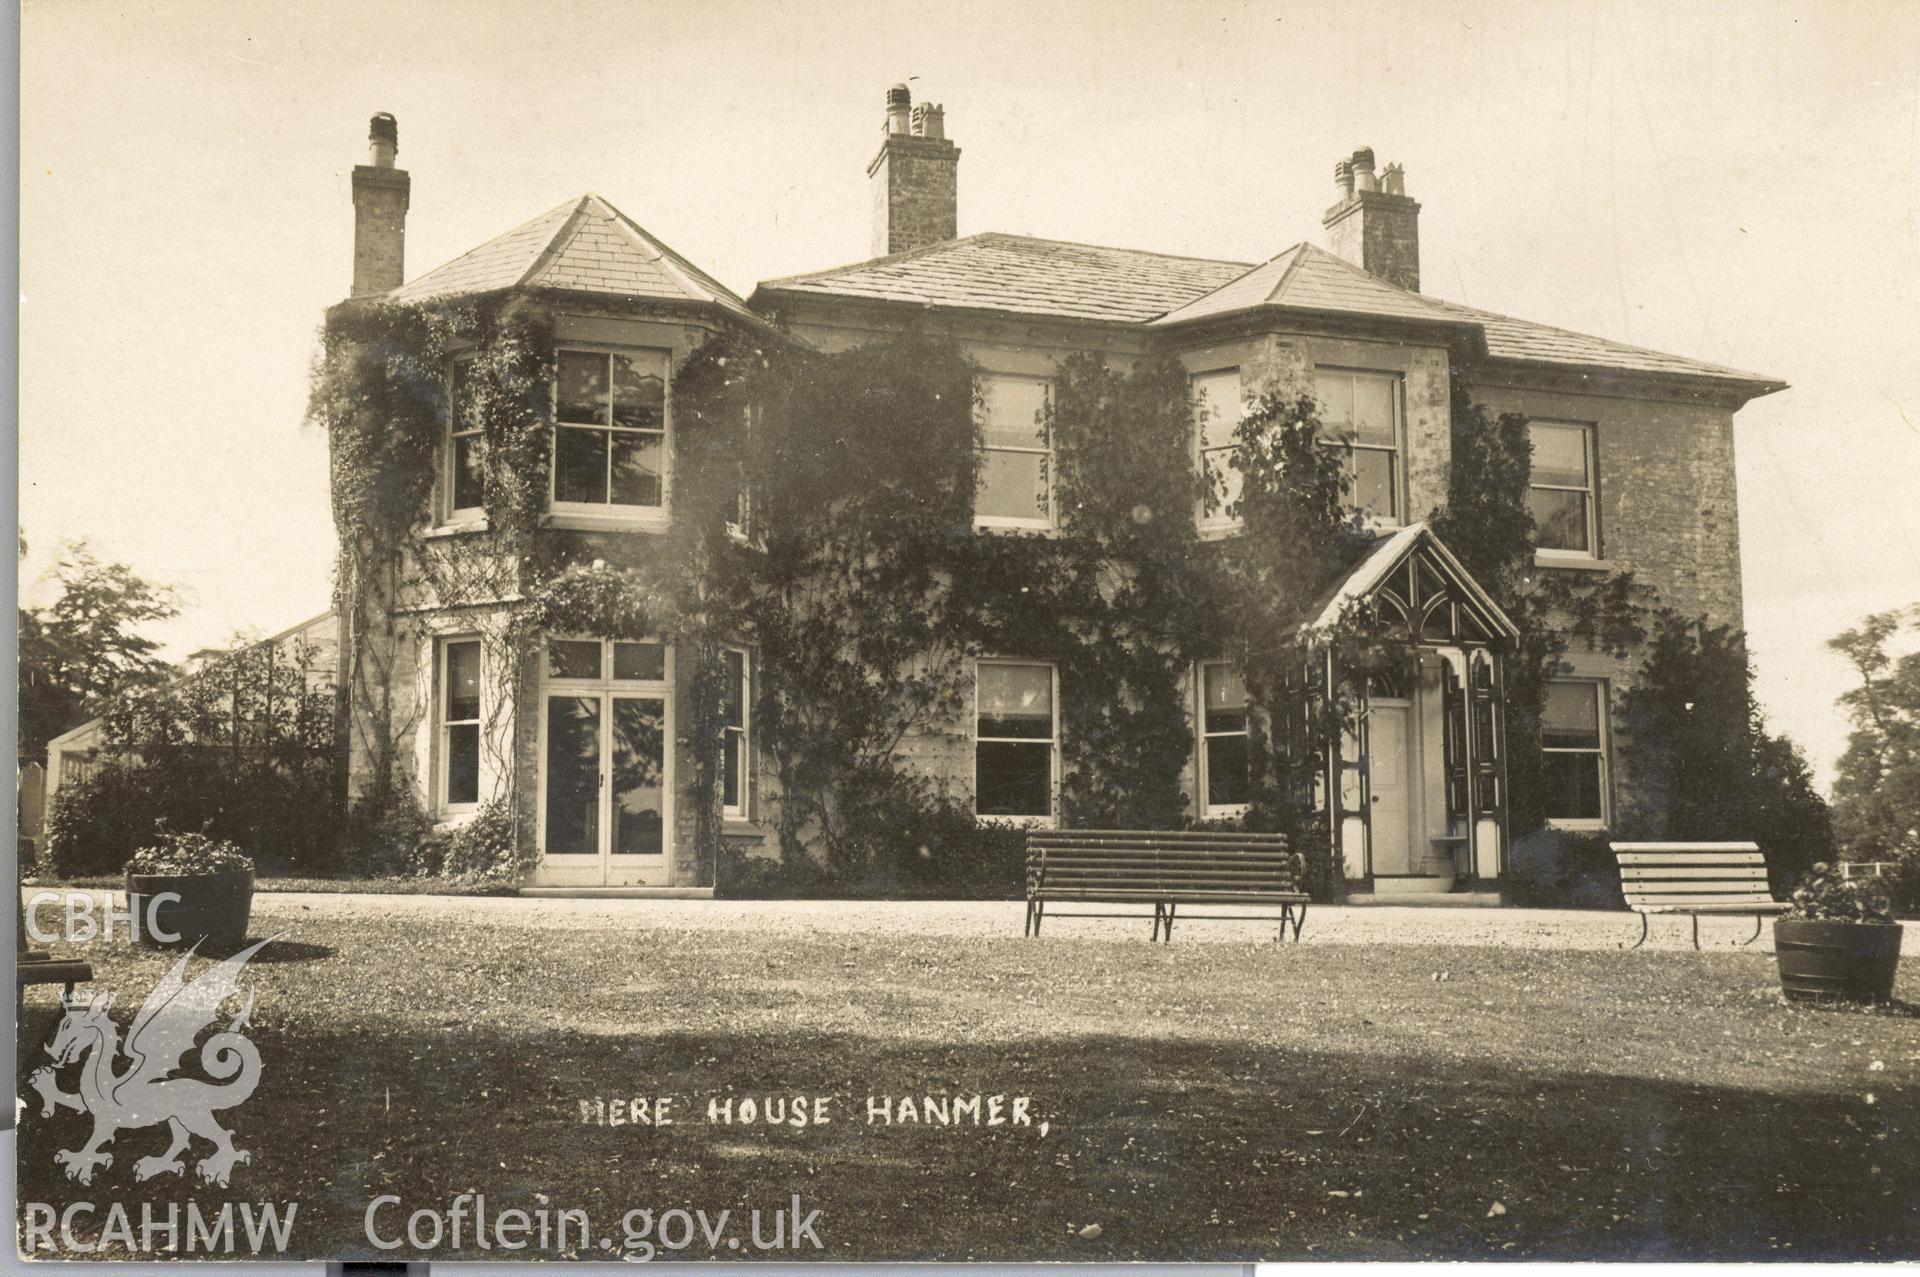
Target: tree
86, 648
1703, 764
1876, 793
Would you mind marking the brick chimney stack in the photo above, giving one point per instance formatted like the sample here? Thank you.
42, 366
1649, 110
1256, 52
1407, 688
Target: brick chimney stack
381, 193
914, 177
1374, 223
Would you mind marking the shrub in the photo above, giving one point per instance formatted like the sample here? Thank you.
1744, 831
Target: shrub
1824, 895
1556, 869
391, 837
486, 849
189, 854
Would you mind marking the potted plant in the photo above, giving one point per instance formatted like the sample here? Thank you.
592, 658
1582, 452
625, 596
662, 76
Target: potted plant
1837, 939
209, 883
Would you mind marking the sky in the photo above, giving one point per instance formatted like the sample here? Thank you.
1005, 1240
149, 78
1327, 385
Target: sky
1738, 183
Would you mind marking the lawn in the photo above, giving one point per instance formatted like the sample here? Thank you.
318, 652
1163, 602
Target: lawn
1204, 1101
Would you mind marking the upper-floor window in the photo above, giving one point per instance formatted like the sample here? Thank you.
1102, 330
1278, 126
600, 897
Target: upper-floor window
1562, 491
610, 431
1217, 409
1016, 458
465, 479
1361, 414
1223, 740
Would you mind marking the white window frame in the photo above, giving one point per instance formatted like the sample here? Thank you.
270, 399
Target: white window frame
1211, 810
443, 696
452, 515
1052, 742
593, 512
1603, 752
741, 810
990, 522
1397, 517
1221, 522
1589, 437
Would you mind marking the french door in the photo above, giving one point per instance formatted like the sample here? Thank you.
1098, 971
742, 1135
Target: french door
606, 764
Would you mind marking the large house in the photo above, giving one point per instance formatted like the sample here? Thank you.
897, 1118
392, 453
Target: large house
1633, 468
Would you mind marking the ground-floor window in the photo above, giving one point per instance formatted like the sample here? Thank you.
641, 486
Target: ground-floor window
735, 761
1016, 732
1574, 738
606, 763
1223, 740
459, 677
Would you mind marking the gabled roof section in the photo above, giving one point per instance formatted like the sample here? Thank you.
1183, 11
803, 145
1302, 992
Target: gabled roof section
1388, 554
1306, 278
585, 246
1021, 275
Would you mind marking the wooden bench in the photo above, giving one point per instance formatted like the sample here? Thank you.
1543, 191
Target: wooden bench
35, 966
1165, 870
1695, 878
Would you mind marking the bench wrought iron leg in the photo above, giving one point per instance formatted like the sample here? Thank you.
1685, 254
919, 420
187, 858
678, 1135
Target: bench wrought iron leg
1157, 908
1286, 915
1166, 932
1643, 933
1028, 930
1696, 931
1039, 916
1757, 919
1299, 920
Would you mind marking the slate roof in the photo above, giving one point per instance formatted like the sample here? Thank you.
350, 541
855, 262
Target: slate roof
1309, 278
585, 245
1021, 275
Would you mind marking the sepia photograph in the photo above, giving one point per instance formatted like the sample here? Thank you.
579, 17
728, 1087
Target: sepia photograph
639, 624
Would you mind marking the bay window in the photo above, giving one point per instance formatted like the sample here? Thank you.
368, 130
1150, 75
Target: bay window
1016, 735
1217, 409
610, 431
1016, 453
1360, 412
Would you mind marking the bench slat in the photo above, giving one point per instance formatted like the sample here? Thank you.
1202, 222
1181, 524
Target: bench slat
1684, 846
1703, 858
1730, 873
1750, 908
1188, 897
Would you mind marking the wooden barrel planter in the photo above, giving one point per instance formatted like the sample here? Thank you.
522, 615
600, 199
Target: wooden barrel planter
212, 909
1822, 959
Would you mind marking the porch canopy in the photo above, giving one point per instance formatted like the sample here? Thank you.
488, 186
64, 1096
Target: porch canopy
1417, 785
1414, 579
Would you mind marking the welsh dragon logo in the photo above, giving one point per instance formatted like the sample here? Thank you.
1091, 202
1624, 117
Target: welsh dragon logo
146, 1092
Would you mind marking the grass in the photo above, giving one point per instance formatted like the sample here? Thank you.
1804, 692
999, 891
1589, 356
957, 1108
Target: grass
1205, 1101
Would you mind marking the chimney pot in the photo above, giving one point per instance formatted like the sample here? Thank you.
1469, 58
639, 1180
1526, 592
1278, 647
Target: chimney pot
1363, 169
930, 120
899, 105
1343, 179
1393, 180
383, 140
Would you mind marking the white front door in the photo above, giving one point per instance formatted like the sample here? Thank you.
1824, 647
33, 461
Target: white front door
1388, 753
606, 764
